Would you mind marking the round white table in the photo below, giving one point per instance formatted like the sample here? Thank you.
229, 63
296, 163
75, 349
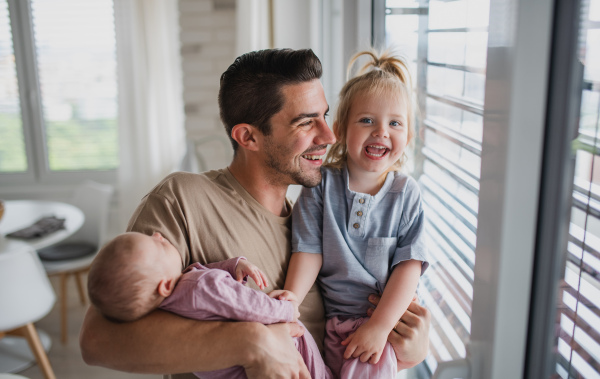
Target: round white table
19, 214
15, 354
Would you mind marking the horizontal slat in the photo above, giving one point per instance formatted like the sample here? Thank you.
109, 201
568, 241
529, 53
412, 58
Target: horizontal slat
587, 205
446, 186
472, 69
448, 236
407, 11
578, 251
448, 336
459, 228
464, 178
459, 30
464, 214
455, 137
459, 103
447, 256
586, 188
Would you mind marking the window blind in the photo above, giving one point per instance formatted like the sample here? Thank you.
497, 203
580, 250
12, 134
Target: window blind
76, 60
446, 41
12, 144
577, 345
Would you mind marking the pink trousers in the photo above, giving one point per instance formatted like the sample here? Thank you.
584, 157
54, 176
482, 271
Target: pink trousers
337, 330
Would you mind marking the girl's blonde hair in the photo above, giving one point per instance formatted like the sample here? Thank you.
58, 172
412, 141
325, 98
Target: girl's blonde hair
384, 75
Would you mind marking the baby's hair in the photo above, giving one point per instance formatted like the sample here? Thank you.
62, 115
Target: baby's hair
119, 281
385, 74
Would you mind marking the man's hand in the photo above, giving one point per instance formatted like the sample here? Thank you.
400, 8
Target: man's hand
410, 337
366, 343
276, 356
289, 296
245, 268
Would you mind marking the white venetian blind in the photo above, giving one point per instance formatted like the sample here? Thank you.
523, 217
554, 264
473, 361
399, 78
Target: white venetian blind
12, 145
76, 61
447, 43
578, 318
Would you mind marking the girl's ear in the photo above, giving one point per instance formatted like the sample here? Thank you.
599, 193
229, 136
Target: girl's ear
245, 135
165, 287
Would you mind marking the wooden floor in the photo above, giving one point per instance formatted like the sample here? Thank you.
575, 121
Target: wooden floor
66, 360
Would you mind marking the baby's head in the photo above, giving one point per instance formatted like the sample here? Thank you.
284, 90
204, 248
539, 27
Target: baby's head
132, 274
384, 76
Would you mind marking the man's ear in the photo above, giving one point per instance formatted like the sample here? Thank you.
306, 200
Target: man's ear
246, 136
165, 287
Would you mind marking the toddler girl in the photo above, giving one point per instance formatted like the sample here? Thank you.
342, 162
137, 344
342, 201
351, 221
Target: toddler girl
360, 231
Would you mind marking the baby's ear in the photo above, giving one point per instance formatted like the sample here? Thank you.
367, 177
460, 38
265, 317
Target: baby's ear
165, 287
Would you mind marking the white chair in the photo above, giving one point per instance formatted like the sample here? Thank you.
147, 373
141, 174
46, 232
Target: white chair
94, 200
25, 297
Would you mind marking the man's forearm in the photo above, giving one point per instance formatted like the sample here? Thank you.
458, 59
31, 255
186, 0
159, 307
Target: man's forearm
165, 343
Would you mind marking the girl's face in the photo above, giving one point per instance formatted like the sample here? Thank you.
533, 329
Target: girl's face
377, 133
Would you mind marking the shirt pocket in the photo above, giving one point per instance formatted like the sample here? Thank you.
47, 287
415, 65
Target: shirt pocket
378, 255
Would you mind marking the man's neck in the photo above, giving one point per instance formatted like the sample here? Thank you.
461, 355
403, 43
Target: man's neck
254, 179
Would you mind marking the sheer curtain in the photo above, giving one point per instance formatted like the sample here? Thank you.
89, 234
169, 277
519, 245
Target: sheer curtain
151, 131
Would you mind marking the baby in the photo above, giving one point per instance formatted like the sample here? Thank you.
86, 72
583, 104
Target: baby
134, 274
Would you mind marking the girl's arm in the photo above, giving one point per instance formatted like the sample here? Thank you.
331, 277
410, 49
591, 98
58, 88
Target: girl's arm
301, 275
369, 340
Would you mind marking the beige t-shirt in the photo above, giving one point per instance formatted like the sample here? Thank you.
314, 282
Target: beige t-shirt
210, 217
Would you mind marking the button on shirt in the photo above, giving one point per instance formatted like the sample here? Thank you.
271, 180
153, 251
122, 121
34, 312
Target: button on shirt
361, 237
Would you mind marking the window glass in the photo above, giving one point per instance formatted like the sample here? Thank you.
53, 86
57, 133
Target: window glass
447, 41
577, 343
12, 144
75, 47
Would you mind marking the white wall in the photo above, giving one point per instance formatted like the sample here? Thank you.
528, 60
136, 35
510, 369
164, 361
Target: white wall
207, 33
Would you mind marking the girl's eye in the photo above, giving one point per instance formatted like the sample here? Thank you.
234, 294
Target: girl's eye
366, 120
395, 123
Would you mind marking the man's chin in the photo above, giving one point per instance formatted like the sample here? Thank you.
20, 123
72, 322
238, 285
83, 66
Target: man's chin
309, 180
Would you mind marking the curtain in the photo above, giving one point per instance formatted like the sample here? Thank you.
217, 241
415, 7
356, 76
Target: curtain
151, 129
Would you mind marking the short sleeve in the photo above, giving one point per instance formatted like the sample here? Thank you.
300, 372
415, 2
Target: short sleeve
411, 231
307, 221
157, 214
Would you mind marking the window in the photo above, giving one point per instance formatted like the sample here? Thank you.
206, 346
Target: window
62, 121
446, 45
577, 344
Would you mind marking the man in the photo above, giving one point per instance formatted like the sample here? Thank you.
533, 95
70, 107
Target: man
273, 108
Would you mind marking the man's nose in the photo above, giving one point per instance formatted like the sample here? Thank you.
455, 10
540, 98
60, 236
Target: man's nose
325, 135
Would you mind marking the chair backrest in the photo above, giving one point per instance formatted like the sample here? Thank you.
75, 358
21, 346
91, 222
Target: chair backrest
25, 291
94, 200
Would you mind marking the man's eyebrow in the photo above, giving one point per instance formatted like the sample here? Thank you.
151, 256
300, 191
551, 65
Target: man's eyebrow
306, 115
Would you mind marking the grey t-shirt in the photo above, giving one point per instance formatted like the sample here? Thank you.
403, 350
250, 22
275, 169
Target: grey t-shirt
361, 237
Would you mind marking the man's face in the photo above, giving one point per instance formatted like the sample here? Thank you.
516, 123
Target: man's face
299, 136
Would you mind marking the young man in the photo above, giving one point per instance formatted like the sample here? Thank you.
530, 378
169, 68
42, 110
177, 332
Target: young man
273, 108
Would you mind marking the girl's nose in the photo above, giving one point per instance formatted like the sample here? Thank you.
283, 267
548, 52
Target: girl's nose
380, 131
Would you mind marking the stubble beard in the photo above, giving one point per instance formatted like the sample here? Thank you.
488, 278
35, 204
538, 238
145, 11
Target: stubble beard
283, 171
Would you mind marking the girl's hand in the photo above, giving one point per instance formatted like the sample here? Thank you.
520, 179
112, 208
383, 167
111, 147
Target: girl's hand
288, 296
245, 268
366, 343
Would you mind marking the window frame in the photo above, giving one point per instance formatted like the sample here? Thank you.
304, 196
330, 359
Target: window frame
38, 172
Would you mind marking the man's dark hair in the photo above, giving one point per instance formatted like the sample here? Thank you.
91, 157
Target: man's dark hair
250, 90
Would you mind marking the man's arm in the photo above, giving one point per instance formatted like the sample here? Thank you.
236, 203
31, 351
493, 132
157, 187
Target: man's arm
165, 343
410, 337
